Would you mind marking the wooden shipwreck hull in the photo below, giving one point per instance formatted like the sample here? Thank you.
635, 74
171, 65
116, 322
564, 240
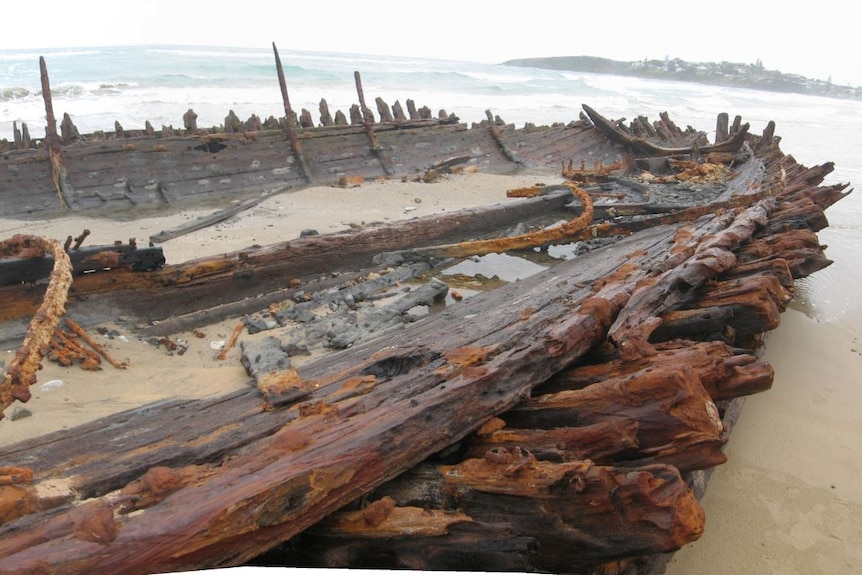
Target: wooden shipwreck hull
140, 170
566, 422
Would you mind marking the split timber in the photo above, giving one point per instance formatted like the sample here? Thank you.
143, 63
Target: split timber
565, 422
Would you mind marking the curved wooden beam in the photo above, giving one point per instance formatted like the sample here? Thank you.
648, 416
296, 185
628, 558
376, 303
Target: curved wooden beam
732, 144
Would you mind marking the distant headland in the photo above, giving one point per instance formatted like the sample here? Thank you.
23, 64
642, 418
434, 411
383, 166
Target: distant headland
752, 76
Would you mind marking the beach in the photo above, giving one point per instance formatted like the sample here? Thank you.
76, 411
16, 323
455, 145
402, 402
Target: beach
787, 501
154, 373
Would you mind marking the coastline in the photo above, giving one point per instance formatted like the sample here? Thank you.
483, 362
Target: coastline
723, 74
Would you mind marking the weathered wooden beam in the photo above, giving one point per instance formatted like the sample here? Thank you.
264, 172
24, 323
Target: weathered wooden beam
599, 442
615, 133
17, 270
205, 283
556, 517
724, 372
290, 120
632, 329
368, 123
53, 143
211, 219
501, 143
341, 441
670, 406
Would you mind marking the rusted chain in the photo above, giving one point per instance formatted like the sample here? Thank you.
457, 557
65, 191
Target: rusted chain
541, 237
20, 374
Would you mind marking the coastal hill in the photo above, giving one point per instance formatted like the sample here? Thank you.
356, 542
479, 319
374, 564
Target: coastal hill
752, 76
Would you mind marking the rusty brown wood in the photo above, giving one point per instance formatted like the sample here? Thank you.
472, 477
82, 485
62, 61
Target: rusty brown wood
577, 230
244, 477
725, 372
643, 396
290, 119
614, 409
179, 289
53, 140
732, 144
343, 439
501, 143
600, 442
500, 514
633, 327
368, 124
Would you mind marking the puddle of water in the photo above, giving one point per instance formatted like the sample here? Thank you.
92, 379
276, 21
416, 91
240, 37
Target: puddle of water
506, 267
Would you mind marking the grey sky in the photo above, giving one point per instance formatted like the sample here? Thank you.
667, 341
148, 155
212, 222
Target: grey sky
813, 39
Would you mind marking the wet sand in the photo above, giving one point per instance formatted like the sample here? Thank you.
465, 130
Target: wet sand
787, 501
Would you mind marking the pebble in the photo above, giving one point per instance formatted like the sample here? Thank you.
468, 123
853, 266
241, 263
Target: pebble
20, 413
53, 384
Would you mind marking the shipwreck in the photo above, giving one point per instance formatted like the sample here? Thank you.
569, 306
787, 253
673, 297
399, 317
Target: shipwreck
566, 422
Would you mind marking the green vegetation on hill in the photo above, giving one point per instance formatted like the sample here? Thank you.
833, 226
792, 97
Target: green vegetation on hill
752, 76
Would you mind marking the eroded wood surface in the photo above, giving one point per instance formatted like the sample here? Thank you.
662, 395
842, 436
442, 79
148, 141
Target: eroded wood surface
194, 484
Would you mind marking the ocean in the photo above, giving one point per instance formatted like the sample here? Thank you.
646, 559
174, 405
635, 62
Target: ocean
131, 85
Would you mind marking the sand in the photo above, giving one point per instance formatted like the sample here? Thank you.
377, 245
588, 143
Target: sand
788, 500
66, 397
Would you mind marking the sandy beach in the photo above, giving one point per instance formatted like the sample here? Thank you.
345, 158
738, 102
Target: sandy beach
153, 373
788, 500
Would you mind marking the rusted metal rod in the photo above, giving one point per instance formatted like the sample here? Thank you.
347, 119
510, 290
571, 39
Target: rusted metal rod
531, 239
82, 333
234, 336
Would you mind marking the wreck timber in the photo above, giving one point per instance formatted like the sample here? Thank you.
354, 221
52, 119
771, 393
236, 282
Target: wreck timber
565, 422
131, 172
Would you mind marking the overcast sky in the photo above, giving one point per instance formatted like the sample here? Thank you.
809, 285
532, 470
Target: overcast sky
815, 39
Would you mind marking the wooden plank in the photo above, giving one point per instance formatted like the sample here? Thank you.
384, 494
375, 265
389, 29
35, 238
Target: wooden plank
213, 218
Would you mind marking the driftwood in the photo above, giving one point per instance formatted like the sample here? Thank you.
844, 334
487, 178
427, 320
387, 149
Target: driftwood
577, 348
